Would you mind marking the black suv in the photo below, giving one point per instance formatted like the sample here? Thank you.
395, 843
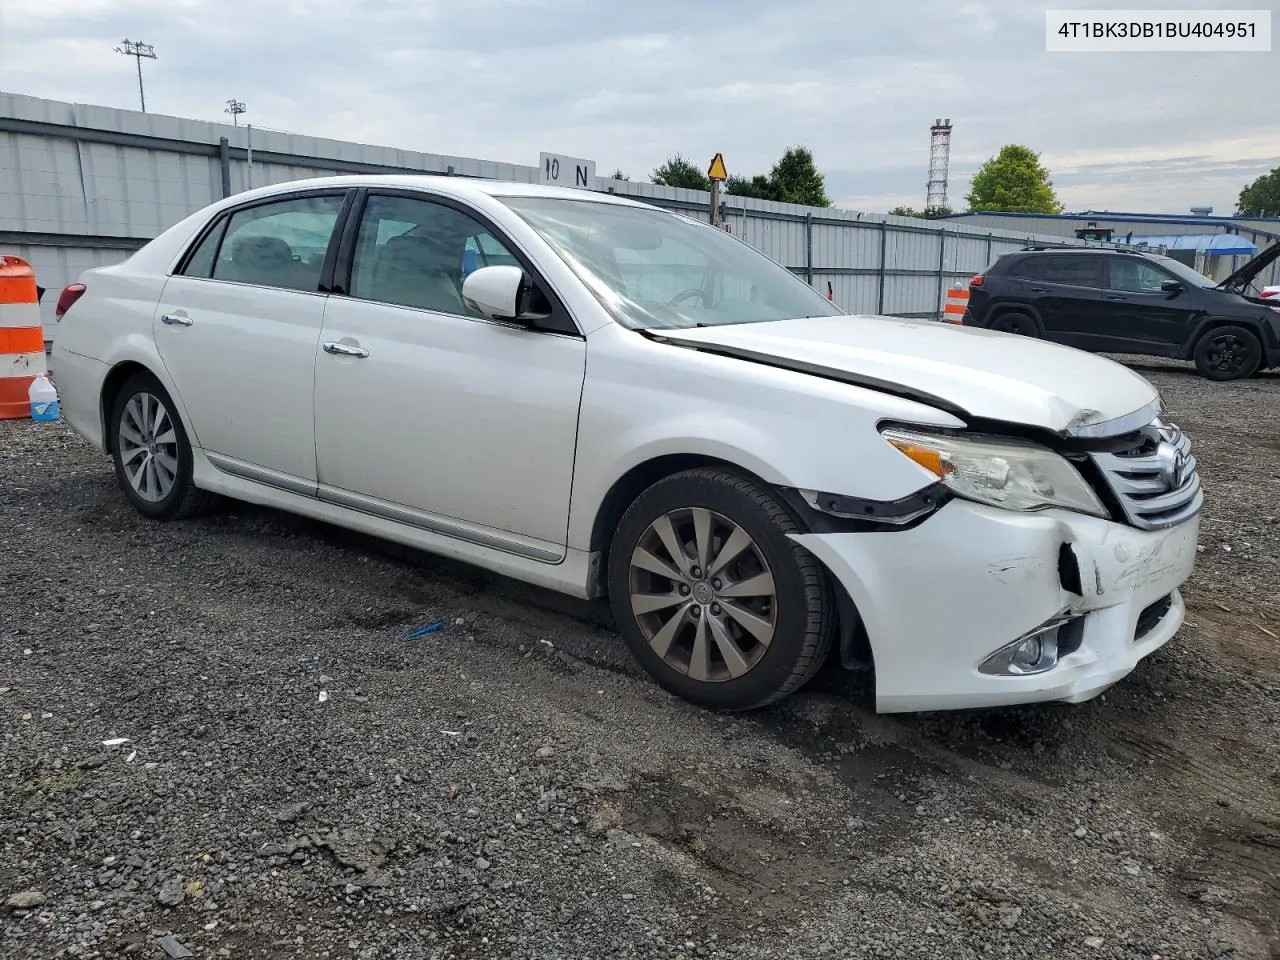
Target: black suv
1113, 301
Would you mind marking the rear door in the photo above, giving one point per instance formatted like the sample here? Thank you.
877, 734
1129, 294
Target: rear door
1139, 316
237, 327
1066, 291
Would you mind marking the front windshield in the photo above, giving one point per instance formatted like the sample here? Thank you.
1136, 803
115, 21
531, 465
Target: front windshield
1183, 272
656, 270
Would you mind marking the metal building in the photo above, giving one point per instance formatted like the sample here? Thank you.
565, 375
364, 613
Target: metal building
1215, 246
82, 186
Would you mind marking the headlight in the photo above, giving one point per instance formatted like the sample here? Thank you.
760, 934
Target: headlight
1003, 473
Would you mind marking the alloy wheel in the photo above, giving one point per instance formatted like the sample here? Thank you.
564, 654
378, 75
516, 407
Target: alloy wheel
1228, 353
703, 595
148, 447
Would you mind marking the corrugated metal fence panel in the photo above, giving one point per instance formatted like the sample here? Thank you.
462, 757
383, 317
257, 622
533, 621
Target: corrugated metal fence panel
853, 294
918, 296
911, 251
841, 246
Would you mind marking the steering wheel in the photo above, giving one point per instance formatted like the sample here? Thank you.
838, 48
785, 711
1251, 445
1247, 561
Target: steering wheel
688, 294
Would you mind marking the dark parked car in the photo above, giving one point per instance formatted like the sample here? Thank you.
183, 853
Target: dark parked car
1112, 301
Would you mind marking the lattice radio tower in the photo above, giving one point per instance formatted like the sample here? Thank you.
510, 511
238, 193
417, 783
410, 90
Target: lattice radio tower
939, 160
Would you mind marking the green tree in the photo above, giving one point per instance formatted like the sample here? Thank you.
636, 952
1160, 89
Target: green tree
758, 187
928, 213
793, 179
679, 172
1015, 181
797, 180
1262, 197
618, 175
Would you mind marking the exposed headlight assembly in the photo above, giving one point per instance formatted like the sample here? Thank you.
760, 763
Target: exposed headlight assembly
1003, 473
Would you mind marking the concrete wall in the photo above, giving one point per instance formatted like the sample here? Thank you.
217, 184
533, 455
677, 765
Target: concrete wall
82, 186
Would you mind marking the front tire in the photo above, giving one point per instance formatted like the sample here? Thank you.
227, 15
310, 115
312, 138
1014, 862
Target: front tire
151, 451
713, 598
1228, 353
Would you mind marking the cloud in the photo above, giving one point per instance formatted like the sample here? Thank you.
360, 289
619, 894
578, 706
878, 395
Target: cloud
629, 85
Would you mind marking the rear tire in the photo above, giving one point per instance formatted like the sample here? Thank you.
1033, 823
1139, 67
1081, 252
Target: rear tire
1228, 353
1022, 324
151, 452
711, 595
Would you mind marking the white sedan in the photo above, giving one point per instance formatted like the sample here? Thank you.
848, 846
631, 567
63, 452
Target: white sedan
601, 397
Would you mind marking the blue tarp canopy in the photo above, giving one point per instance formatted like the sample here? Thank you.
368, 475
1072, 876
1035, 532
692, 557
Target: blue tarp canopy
1214, 244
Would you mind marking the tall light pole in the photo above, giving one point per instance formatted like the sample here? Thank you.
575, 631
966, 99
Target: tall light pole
138, 51
235, 108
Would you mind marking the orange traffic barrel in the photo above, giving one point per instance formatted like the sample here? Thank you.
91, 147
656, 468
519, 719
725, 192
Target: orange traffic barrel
21, 337
954, 306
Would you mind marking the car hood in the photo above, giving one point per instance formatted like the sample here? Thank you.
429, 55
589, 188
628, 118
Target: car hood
1250, 269
969, 371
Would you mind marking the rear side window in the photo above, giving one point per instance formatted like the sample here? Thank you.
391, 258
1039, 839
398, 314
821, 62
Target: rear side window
1078, 270
1027, 268
278, 244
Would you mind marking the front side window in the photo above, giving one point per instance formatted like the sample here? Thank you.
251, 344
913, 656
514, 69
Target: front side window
652, 269
1134, 276
416, 253
1077, 270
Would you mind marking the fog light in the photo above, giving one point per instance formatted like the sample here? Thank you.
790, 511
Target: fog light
1033, 652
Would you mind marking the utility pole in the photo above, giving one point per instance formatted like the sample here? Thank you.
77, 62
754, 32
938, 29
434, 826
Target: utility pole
138, 51
235, 108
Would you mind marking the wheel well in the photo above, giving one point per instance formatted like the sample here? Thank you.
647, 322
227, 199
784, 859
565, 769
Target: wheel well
633, 483
1002, 308
116, 379
1214, 323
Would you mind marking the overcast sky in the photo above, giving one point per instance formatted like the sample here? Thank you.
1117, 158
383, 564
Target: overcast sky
628, 84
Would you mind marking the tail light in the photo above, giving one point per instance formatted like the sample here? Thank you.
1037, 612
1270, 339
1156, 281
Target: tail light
976, 281
67, 300
1271, 293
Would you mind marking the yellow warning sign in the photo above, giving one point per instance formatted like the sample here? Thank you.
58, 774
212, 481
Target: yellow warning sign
717, 171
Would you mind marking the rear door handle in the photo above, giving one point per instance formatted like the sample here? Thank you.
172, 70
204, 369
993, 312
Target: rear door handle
176, 320
1115, 296
1039, 289
345, 350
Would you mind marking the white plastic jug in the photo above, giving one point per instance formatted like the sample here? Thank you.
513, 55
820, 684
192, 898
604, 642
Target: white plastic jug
44, 399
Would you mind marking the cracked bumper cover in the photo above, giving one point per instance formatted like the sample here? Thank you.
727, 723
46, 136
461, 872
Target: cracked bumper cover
939, 598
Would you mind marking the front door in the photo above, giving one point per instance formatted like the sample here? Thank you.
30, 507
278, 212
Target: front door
237, 329
1139, 314
423, 404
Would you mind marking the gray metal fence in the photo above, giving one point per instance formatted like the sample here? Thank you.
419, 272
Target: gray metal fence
81, 186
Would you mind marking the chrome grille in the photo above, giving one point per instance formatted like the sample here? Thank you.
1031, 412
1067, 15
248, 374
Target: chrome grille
1155, 481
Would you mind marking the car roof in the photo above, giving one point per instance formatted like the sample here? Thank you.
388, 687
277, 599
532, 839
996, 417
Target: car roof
1104, 251
456, 186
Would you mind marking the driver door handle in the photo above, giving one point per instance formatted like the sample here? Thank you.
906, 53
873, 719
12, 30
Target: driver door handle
1116, 296
345, 350
176, 319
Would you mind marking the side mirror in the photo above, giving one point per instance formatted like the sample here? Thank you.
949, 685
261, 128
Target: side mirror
1172, 287
495, 291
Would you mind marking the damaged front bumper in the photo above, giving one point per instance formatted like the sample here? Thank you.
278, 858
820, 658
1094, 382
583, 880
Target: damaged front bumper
940, 600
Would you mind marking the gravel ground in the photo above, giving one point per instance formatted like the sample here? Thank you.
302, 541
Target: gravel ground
300, 780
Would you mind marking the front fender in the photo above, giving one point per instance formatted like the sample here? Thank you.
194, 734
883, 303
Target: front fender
644, 400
